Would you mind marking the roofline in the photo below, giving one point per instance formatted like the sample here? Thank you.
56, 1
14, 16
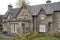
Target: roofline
57, 11
19, 11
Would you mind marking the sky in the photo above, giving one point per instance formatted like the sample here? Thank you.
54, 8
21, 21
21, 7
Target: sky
4, 4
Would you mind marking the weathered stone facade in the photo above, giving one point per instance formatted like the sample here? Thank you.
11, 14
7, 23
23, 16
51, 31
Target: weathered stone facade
38, 18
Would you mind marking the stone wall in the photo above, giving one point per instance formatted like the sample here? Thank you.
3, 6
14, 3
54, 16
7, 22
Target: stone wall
28, 25
57, 21
48, 19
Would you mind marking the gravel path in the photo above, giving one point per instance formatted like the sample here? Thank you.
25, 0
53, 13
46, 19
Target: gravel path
5, 36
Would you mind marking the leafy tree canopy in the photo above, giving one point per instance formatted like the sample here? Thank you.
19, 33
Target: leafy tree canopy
19, 2
0, 24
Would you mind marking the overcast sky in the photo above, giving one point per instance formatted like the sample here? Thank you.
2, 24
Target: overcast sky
4, 4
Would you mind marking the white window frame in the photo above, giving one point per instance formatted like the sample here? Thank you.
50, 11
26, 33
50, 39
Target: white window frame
42, 28
13, 27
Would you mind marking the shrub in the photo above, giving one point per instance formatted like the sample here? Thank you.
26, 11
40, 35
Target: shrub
1, 27
23, 37
33, 35
57, 35
4, 32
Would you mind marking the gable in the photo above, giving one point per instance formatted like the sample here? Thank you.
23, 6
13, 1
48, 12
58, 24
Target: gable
42, 11
49, 9
42, 14
24, 12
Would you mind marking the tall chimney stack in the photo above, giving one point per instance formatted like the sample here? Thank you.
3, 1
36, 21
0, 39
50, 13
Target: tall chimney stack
10, 7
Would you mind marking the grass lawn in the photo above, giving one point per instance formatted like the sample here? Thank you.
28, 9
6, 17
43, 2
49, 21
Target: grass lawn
34, 36
5, 38
37, 38
45, 38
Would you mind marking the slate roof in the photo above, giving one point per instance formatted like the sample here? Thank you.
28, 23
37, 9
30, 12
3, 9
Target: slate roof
1, 16
13, 11
49, 9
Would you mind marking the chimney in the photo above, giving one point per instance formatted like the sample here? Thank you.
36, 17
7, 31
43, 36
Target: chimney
9, 7
48, 1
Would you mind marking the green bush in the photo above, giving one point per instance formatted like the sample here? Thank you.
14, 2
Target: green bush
4, 32
57, 35
1, 27
38, 36
32, 35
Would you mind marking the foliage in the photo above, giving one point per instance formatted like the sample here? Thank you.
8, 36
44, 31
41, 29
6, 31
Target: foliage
0, 24
45, 38
39, 36
57, 35
4, 32
22, 37
1, 27
19, 2
32, 35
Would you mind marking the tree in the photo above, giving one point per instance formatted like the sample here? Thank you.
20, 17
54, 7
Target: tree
19, 2
1, 27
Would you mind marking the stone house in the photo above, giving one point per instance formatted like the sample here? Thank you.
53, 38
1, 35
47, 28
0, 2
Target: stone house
37, 18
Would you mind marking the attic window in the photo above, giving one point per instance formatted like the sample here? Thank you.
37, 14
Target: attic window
24, 14
42, 16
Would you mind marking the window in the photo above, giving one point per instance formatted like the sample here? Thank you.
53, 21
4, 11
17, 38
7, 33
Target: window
24, 14
42, 16
13, 28
42, 28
